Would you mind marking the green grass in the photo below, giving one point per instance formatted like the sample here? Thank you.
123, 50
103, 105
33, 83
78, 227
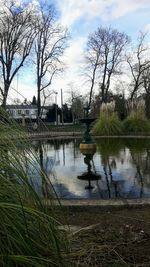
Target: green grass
48, 127
108, 125
29, 234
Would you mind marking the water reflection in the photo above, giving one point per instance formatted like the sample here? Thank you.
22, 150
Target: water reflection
119, 169
89, 175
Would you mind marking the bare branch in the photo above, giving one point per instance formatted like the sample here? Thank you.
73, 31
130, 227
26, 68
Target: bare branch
16, 39
49, 47
138, 64
104, 54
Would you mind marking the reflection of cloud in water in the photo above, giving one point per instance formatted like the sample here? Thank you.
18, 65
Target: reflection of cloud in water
63, 191
69, 180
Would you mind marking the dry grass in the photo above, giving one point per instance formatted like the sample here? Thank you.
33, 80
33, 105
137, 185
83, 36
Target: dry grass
115, 238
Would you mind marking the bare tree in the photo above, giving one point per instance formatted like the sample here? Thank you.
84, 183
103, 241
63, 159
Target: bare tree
46, 95
16, 38
49, 47
105, 50
93, 62
138, 65
146, 86
76, 101
146, 79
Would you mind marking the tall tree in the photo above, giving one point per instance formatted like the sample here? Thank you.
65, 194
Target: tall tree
105, 49
138, 65
146, 86
16, 38
49, 47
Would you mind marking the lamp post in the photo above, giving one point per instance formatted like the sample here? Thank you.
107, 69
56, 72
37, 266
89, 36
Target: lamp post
73, 119
56, 111
62, 113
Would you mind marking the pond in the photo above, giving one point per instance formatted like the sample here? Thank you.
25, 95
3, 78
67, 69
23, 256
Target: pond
120, 168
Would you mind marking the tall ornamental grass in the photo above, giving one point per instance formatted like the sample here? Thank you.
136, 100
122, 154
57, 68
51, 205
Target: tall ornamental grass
29, 234
136, 121
108, 123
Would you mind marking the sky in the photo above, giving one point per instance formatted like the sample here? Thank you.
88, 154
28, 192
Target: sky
83, 17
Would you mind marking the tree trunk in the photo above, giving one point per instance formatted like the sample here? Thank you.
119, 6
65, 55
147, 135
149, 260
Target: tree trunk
38, 104
132, 95
103, 93
107, 88
6, 88
135, 89
147, 105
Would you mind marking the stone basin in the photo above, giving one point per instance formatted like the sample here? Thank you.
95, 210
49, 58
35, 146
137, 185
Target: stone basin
89, 176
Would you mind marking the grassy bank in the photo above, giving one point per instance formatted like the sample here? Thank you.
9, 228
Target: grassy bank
43, 127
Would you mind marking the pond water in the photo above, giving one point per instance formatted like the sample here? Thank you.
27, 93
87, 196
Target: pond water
120, 168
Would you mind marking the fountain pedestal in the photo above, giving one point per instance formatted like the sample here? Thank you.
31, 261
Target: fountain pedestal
87, 142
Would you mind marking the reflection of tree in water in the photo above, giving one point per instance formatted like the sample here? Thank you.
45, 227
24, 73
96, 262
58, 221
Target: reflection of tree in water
110, 152
146, 171
45, 170
110, 178
110, 147
57, 143
140, 157
47, 164
76, 144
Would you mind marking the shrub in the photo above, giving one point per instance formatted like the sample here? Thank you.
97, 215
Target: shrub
136, 123
108, 125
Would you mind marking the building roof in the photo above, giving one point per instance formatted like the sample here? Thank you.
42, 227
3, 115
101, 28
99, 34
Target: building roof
26, 107
21, 106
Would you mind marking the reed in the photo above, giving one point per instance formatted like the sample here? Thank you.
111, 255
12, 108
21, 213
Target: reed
136, 123
29, 234
108, 123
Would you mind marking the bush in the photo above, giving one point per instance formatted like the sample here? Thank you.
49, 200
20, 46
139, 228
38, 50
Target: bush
136, 123
108, 125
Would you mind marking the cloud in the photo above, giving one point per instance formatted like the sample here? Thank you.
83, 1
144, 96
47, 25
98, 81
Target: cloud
74, 53
73, 58
147, 27
73, 10
82, 15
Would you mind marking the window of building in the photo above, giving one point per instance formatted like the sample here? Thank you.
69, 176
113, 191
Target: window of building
19, 112
34, 112
11, 112
27, 112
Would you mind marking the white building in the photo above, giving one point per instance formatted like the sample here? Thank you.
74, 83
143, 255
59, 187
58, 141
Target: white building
28, 111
